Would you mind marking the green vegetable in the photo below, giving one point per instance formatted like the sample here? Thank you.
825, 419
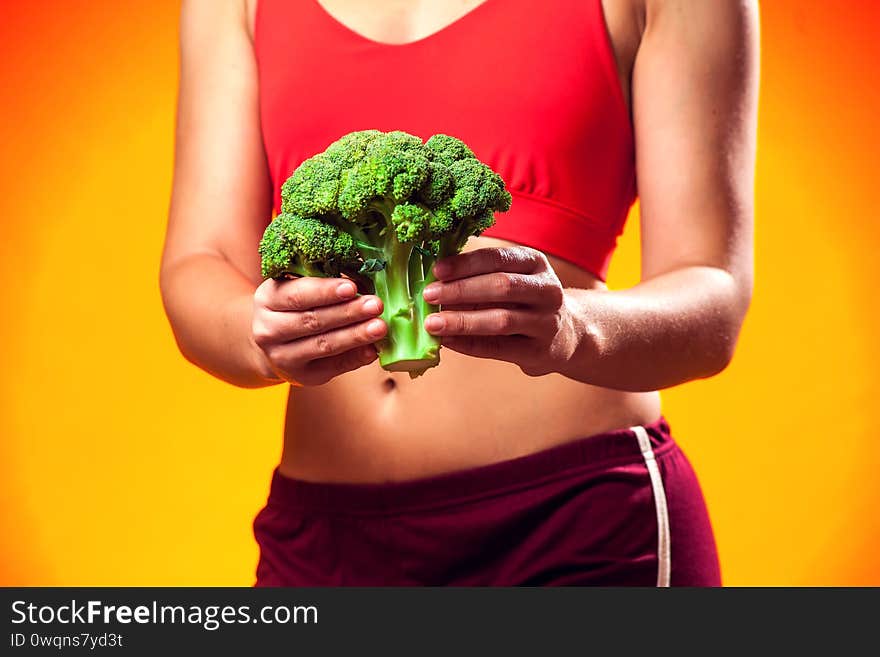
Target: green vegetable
380, 208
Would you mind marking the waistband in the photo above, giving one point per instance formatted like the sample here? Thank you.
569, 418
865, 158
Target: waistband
579, 456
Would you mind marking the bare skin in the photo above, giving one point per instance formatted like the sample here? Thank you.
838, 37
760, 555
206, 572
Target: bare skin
573, 359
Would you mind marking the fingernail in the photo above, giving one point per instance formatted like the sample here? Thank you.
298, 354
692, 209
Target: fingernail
432, 293
346, 290
442, 269
434, 323
376, 328
371, 306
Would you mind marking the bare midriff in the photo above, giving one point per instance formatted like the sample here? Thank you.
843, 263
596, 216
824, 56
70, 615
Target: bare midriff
376, 426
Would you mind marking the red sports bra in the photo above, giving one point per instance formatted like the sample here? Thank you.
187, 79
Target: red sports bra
531, 88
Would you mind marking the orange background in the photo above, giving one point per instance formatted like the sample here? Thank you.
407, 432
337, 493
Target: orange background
121, 464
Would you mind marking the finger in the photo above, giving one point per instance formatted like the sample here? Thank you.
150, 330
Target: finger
487, 288
480, 306
512, 348
323, 370
304, 293
289, 326
493, 321
330, 343
514, 260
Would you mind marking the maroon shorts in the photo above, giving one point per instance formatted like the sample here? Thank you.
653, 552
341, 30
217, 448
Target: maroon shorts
619, 508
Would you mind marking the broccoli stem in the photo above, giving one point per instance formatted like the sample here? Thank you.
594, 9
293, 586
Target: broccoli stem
407, 347
421, 274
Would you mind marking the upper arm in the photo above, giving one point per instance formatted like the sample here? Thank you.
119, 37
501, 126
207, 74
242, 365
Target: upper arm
695, 85
221, 196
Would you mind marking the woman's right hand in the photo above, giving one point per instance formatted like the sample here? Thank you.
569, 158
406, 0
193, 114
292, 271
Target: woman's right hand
314, 329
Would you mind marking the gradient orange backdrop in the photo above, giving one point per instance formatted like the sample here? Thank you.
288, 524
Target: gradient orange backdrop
121, 464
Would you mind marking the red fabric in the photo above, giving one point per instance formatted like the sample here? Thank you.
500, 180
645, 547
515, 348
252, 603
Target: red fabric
531, 88
582, 513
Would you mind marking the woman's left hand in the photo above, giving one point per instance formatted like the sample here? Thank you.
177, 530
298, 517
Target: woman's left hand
504, 303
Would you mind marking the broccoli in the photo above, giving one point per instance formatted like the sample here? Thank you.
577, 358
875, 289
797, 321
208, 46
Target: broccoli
381, 208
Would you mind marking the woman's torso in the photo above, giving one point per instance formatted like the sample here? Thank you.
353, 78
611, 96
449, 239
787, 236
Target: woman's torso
372, 425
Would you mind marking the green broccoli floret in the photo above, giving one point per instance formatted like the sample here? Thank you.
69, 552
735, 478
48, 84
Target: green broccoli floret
305, 246
380, 208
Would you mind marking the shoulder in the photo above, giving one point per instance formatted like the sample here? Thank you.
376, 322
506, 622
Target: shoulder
699, 13
717, 42
213, 15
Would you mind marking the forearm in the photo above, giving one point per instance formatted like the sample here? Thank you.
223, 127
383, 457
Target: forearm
210, 305
673, 328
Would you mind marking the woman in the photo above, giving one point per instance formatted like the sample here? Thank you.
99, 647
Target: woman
536, 452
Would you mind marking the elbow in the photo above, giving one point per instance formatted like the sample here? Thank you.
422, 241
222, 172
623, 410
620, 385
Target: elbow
166, 294
719, 356
171, 304
244, 371
727, 328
